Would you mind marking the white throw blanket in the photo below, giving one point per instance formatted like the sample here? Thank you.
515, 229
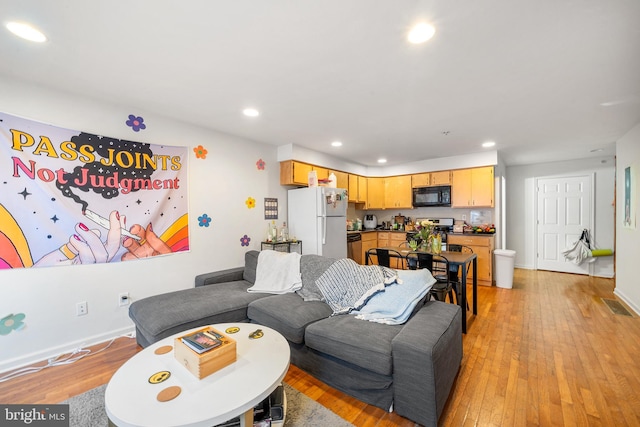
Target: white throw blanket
395, 305
277, 273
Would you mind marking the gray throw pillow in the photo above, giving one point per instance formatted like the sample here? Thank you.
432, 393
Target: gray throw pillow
311, 268
250, 266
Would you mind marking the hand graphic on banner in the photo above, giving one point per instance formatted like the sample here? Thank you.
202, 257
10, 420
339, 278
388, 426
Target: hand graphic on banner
86, 247
149, 245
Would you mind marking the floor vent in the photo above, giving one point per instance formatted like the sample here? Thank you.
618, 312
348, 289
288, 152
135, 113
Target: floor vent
616, 307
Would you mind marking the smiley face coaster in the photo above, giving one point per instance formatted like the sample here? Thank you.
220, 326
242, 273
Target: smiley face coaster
159, 377
169, 393
256, 334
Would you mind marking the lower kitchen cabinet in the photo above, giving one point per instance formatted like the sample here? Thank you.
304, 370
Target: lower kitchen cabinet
482, 246
369, 241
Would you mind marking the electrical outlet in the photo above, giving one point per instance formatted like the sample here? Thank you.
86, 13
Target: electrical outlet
464, 217
81, 308
123, 299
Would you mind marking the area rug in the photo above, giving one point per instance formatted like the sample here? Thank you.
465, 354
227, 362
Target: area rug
87, 410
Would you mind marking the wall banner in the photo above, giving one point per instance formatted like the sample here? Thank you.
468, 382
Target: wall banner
70, 197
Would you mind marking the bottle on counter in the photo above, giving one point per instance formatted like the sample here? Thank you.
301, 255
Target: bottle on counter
284, 233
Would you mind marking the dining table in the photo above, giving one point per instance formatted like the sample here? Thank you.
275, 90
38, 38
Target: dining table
461, 259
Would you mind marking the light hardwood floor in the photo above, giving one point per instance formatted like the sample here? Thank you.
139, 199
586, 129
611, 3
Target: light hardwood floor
547, 352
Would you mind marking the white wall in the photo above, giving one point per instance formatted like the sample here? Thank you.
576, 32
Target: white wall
218, 186
628, 240
520, 204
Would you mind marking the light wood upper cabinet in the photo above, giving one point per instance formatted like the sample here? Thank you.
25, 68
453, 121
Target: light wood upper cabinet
363, 188
342, 179
397, 192
472, 188
357, 188
353, 188
375, 193
294, 173
429, 179
323, 173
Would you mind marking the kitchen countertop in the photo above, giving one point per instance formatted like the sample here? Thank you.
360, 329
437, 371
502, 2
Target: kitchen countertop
413, 231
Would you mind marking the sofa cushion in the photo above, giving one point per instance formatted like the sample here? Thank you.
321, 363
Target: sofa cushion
365, 344
311, 268
250, 266
288, 314
162, 315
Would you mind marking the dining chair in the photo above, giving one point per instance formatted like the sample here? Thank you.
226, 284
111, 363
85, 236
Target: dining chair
384, 256
443, 286
454, 271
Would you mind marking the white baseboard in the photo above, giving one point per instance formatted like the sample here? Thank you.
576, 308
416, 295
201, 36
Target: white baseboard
46, 354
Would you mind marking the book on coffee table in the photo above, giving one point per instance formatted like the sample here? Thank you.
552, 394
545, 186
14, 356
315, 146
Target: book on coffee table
201, 341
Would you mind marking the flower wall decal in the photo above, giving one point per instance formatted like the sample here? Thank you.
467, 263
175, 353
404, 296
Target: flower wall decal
204, 220
12, 322
244, 240
136, 123
201, 152
250, 202
260, 164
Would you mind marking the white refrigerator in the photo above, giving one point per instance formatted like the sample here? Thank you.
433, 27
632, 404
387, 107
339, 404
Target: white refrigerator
318, 217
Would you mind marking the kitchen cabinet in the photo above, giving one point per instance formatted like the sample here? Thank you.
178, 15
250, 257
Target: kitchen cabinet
363, 187
472, 188
369, 241
392, 239
294, 173
357, 189
353, 188
429, 179
389, 193
397, 192
323, 173
375, 193
342, 179
482, 246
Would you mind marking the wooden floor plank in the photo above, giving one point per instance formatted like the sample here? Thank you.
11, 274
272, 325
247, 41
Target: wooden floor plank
547, 352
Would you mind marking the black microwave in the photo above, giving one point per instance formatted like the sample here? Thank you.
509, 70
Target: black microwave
432, 196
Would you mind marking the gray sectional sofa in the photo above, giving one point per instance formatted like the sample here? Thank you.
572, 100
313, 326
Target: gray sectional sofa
409, 368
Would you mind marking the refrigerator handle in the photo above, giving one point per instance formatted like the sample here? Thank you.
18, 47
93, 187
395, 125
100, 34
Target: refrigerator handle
323, 203
323, 212
324, 230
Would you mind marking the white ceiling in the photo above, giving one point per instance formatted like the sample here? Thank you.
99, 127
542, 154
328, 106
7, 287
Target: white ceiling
546, 79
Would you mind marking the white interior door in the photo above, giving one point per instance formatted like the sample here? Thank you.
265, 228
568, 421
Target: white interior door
564, 210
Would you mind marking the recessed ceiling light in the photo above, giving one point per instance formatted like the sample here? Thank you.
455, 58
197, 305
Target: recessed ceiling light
597, 150
251, 112
421, 33
488, 144
336, 144
26, 32
382, 160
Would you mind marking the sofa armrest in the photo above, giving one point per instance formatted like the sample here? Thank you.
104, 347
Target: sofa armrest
223, 276
427, 355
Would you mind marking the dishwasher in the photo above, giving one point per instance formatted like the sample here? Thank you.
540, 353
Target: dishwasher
354, 247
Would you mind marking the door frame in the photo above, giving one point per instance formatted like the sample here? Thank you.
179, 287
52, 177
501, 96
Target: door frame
592, 178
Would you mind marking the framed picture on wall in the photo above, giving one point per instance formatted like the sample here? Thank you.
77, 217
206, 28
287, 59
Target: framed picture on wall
630, 189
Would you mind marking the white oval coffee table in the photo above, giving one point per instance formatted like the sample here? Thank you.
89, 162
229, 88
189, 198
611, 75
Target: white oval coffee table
131, 400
